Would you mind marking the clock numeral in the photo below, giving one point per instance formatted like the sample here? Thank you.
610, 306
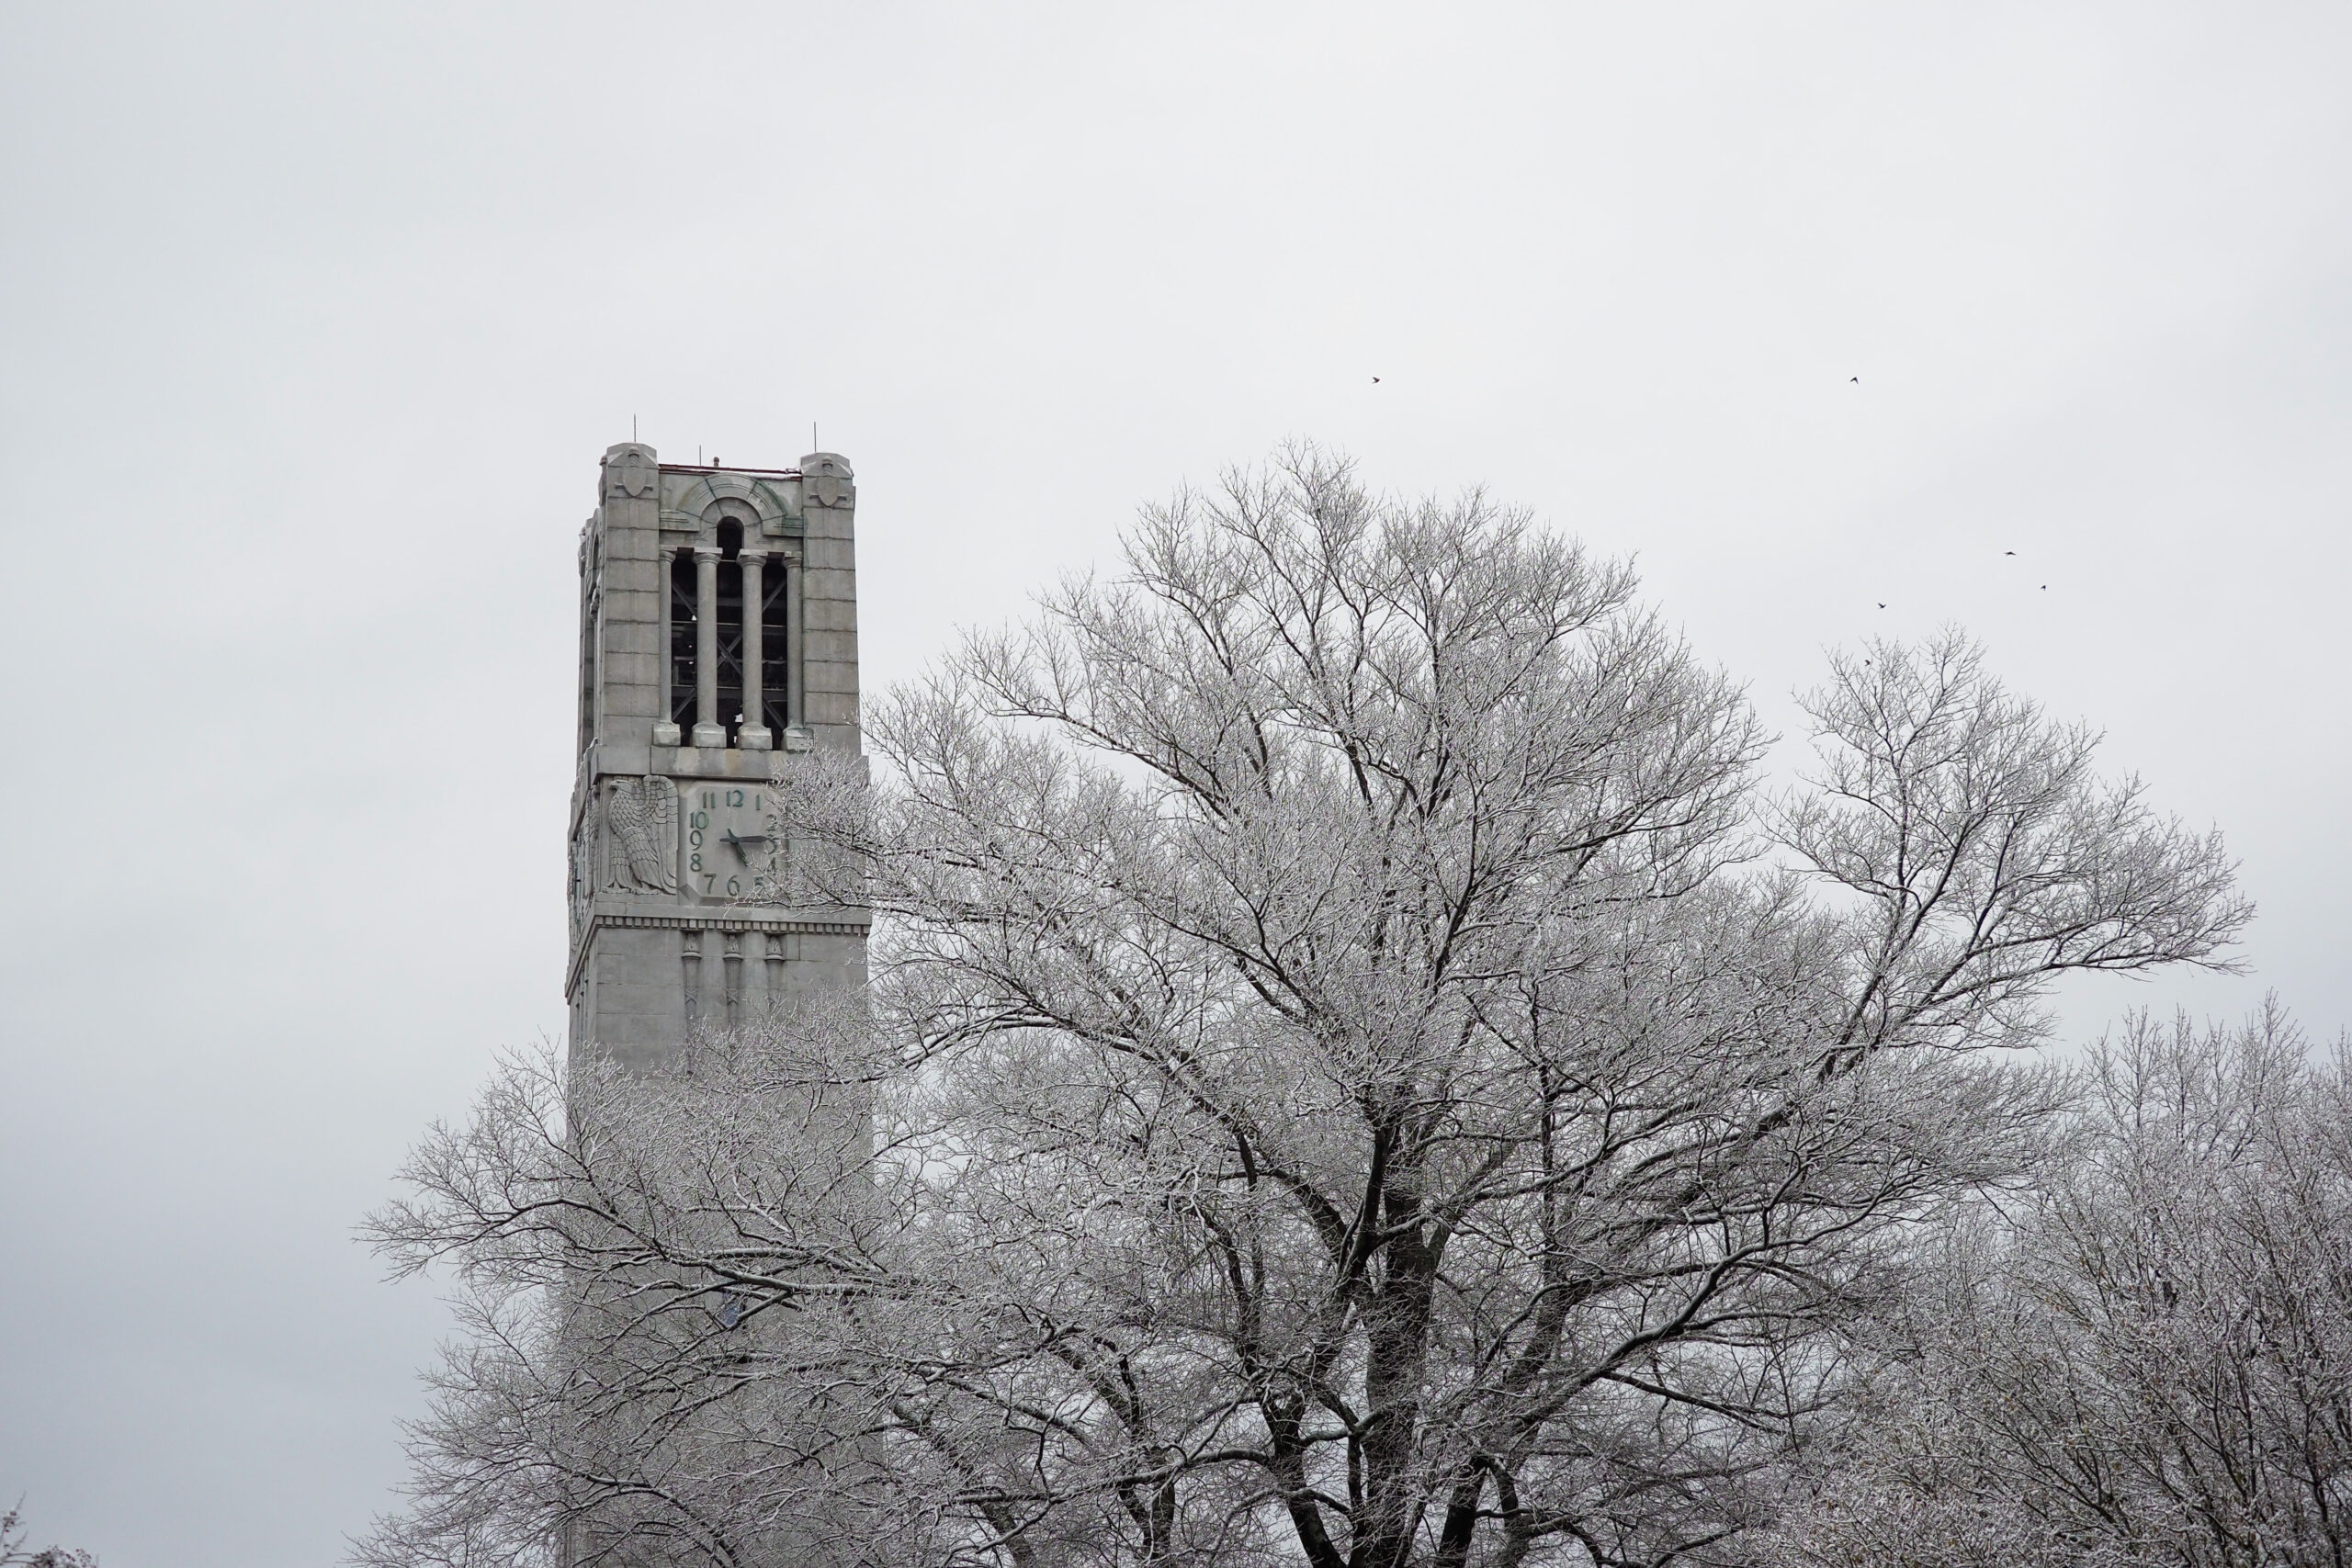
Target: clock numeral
695, 865
734, 798
734, 887
694, 839
700, 819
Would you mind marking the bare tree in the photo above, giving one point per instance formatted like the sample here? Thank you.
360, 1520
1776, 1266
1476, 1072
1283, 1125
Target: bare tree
1363, 1076
14, 1554
1337, 926
2152, 1360
626, 1247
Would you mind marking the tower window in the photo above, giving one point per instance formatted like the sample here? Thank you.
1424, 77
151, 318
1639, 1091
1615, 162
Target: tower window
683, 672
774, 654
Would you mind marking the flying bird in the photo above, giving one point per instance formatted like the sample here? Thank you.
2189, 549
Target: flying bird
1882, 604
1376, 380
2008, 552
1857, 380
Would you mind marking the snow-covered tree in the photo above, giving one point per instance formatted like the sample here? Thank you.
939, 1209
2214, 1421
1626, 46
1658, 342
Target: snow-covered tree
1365, 1075
2150, 1360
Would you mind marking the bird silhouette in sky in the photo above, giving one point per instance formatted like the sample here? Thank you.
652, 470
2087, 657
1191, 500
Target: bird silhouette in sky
1376, 380
1882, 604
2008, 552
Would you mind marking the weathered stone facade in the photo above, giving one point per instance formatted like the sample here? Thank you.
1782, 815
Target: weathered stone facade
690, 577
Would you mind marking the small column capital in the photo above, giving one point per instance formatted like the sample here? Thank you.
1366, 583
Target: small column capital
707, 552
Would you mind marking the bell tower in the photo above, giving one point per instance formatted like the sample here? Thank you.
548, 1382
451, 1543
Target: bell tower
717, 631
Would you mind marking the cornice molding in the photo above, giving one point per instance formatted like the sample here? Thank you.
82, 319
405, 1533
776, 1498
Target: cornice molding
727, 919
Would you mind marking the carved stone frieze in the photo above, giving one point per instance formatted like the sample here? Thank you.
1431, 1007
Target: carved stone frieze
695, 503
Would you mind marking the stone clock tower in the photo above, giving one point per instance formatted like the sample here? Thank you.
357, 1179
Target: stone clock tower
718, 629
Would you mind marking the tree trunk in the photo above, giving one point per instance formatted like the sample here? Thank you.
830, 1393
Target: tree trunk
1396, 1336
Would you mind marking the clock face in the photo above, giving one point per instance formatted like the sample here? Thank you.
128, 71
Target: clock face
732, 835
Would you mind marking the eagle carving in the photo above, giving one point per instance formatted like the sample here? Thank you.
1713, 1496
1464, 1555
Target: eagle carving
640, 850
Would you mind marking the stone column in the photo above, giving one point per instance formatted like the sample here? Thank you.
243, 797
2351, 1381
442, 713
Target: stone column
776, 971
666, 731
795, 714
708, 731
632, 660
754, 736
734, 977
828, 641
690, 952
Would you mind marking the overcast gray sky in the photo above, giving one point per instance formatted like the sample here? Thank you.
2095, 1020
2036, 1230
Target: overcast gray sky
314, 319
